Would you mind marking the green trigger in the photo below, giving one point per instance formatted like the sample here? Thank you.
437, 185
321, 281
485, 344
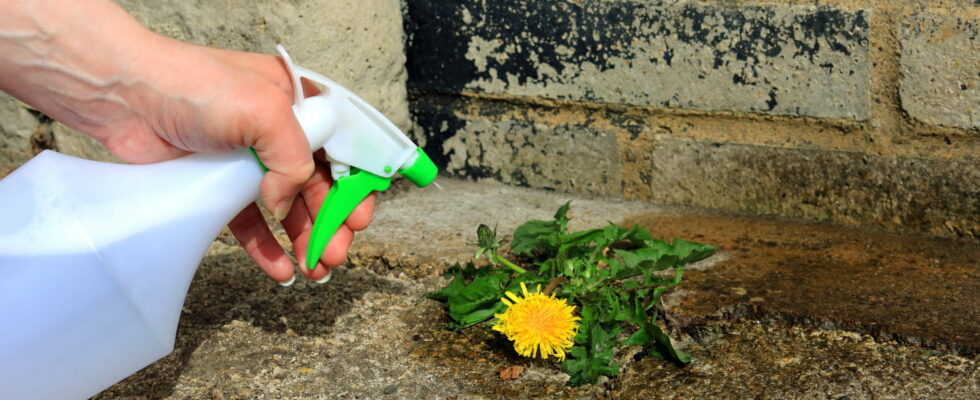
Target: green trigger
344, 196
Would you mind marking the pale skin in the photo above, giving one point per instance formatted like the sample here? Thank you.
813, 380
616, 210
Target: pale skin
149, 98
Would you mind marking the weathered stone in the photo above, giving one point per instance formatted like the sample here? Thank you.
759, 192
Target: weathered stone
940, 67
16, 127
929, 195
358, 43
76, 144
519, 146
778, 59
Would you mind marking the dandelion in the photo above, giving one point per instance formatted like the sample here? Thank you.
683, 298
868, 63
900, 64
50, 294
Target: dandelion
537, 324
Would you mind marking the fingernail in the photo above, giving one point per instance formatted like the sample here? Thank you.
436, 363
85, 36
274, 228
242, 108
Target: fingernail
325, 279
282, 210
289, 282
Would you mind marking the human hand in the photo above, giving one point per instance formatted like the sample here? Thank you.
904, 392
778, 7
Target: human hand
228, 100
149, 98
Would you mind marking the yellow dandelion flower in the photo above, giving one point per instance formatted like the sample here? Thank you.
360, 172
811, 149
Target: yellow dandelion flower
537, 324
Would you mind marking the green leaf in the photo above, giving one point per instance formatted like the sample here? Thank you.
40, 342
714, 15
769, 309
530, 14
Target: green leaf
592, 355
689, 252
478, 316
458, 274
581, 237
483, 292
638, 338
530, 280
537, 238
663, 347
630, 259
561, 217
476, 301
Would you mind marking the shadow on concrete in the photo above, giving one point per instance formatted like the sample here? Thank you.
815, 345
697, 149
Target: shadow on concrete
230, 287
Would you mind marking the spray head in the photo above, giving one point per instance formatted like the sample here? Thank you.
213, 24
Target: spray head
365, 150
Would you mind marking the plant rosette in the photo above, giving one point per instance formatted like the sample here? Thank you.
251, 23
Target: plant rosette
609, 275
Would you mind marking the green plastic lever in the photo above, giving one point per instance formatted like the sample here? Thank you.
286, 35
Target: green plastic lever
349, 191
343, 197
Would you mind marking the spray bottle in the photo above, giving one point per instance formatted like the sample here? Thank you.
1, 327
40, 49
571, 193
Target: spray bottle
96, 258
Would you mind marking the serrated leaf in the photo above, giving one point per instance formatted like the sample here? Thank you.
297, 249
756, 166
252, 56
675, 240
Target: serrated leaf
663, 347
447, 292
476, 301
479, 316
592, 355
638, 338
689, 252
535, 238
630, 259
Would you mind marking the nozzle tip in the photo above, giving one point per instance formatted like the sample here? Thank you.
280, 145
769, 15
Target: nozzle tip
422, 172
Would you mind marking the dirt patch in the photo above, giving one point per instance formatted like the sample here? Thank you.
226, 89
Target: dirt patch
916, 289
775, 361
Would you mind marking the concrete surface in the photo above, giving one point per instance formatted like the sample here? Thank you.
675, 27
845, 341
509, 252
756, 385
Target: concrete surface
752, 360
786, 59
941, 69
368, 334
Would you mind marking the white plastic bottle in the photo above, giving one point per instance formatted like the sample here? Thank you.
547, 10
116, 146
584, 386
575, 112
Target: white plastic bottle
96, 258
95, 261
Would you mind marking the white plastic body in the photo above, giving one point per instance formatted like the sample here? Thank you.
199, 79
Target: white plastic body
95, 262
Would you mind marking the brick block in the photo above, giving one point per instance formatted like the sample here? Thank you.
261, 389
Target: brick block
929, 195
520, 146
940, 66
784, 59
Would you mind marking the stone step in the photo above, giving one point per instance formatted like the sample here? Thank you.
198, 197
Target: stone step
912, 288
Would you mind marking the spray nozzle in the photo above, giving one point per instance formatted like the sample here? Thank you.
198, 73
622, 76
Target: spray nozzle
363, 147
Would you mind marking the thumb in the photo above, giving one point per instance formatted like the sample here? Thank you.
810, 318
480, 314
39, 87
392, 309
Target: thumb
282, 146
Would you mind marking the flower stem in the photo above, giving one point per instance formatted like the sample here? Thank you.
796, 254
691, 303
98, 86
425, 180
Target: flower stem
553, 284
515, 268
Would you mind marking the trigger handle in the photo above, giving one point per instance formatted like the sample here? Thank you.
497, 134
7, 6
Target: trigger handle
344, 196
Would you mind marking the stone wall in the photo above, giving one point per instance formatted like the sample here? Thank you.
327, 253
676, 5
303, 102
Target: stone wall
358, 43
856, 111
